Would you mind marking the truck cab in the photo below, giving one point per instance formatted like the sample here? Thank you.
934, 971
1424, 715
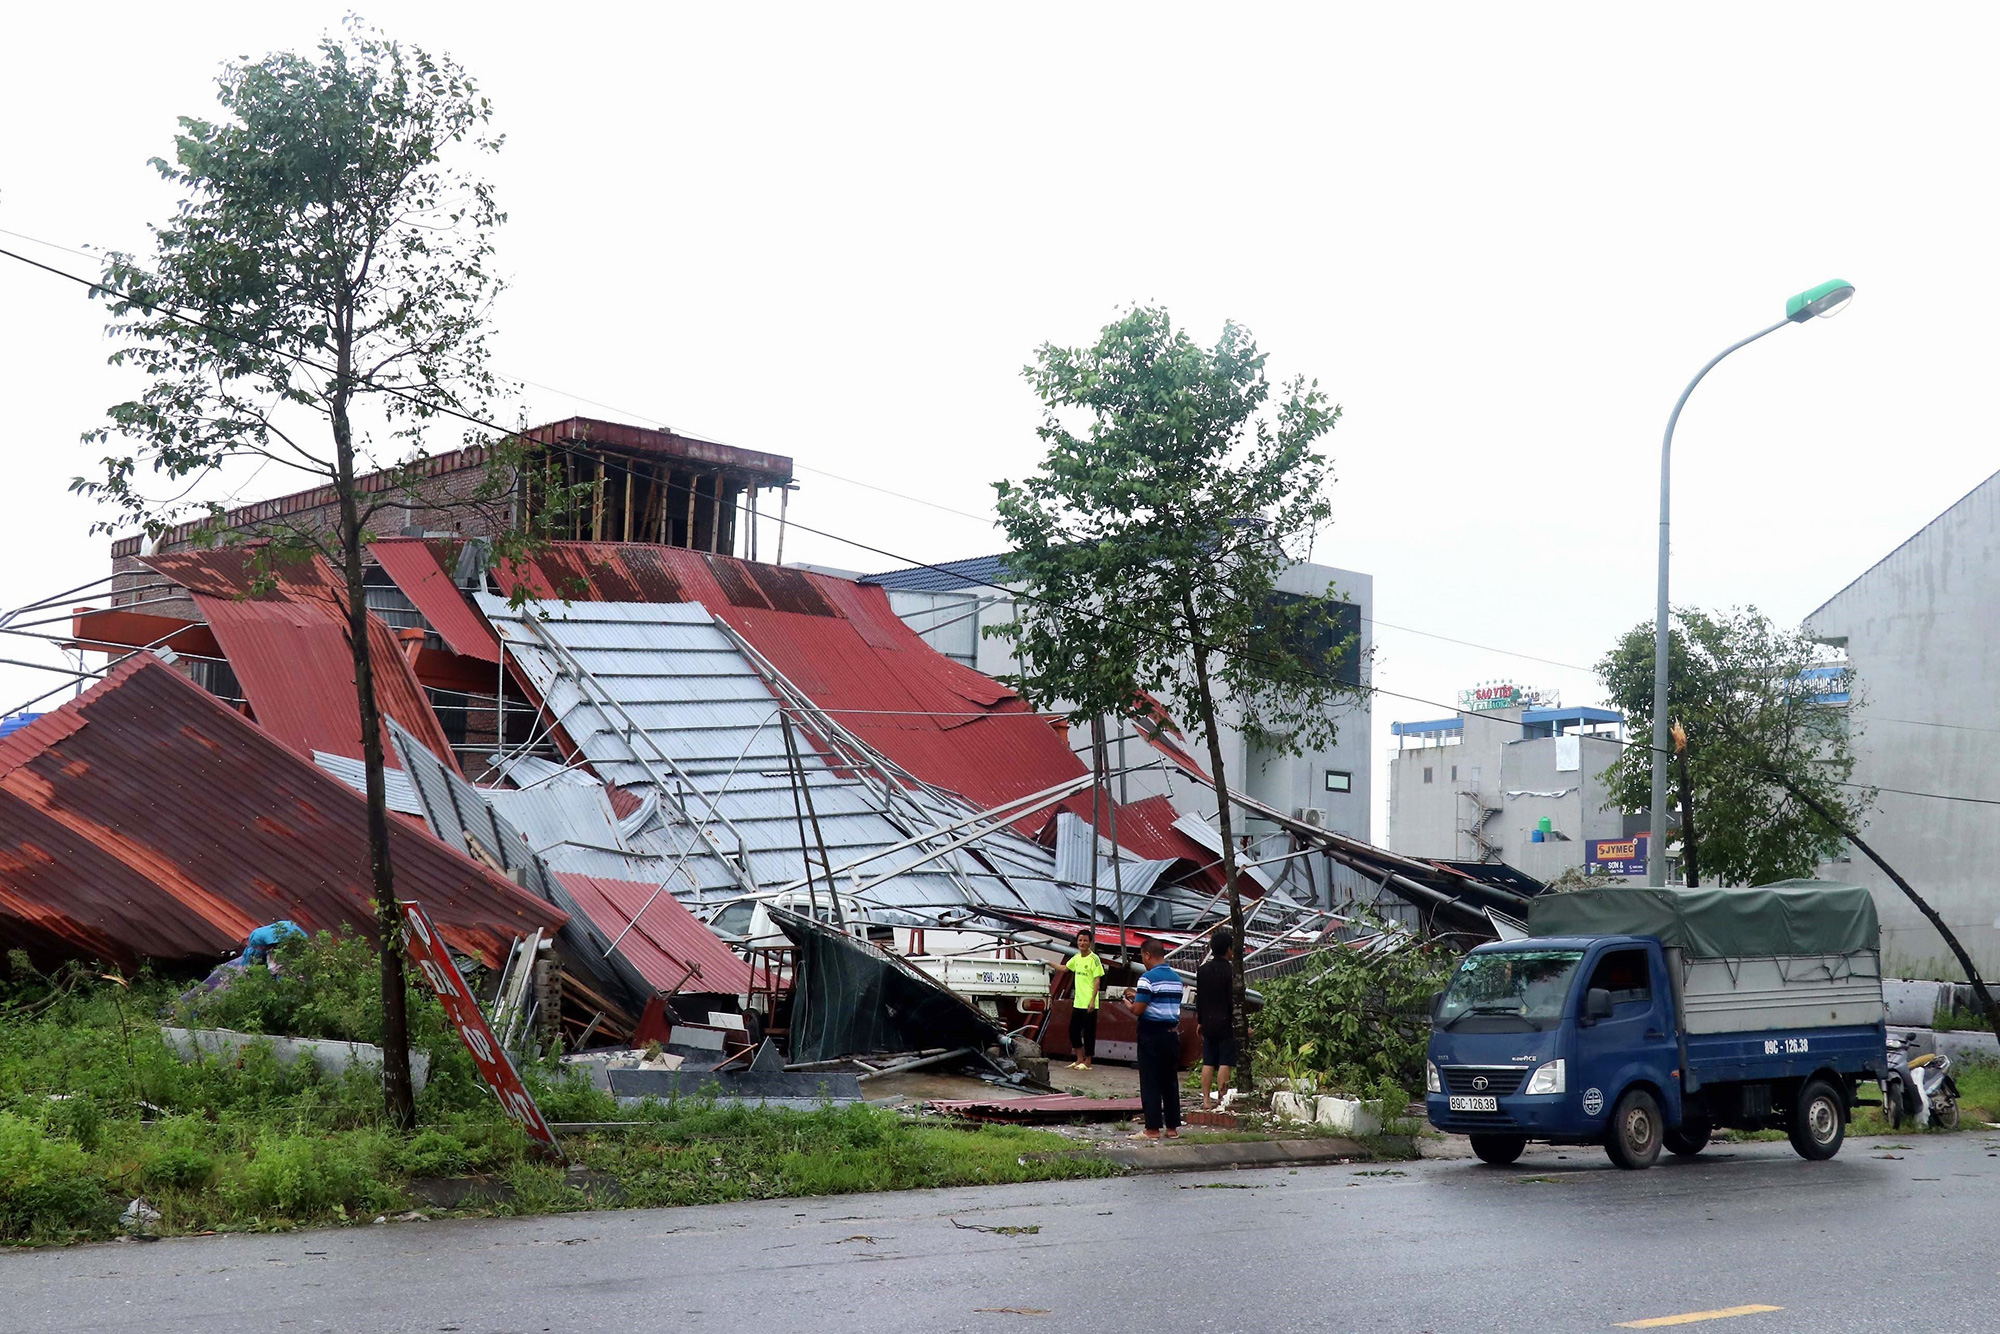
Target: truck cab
1573, 1039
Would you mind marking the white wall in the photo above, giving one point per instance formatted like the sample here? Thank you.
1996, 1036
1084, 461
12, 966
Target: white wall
1920, 634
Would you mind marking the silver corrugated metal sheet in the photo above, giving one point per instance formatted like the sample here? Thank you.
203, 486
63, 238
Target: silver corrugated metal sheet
459, 813
397, 790
1204, 833
659, 699
1132, 880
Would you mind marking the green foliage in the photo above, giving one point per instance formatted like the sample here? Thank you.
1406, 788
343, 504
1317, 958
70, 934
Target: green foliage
95, 1108
47, 1189
304, 1176
1353, 1023
322, 254
325, 986
1736, 686
1153, 536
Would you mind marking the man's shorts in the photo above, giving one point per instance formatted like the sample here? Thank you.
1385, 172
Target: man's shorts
1219, 1050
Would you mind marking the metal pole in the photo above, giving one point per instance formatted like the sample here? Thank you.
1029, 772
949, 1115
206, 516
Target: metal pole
1656, 858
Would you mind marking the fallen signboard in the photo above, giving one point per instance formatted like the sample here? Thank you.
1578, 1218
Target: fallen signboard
463, 1011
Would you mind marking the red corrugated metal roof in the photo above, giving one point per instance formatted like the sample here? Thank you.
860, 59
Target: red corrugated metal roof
145, 819
840, 643
418, 565
287, 644
670, 948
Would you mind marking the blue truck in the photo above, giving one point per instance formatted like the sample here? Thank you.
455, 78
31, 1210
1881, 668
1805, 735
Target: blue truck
1645, 1019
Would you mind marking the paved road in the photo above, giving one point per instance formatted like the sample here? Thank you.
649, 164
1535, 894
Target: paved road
1560, 1241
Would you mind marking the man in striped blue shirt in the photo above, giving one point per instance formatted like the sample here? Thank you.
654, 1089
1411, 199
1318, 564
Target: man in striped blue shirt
1156, 1003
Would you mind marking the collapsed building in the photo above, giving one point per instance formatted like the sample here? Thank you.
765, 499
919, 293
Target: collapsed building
676, 761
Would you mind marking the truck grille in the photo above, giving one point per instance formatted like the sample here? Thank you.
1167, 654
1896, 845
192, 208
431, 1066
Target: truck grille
1499, 1082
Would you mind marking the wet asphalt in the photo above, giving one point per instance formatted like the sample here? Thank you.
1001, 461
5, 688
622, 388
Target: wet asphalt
1558, 1241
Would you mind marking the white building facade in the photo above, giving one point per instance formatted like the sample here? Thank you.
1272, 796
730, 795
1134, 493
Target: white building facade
1918, 628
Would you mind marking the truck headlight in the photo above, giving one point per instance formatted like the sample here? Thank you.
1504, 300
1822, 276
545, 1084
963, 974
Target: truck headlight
1550, 1077
1432, 1084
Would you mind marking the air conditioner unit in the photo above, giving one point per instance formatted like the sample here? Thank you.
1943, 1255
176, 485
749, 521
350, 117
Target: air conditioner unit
1312, 815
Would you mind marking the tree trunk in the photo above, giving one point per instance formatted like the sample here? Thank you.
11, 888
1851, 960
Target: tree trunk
1690, 862
1820, 809
1240, 1011
398, 1097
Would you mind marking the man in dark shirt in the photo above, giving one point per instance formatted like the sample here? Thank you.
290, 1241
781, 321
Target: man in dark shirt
1214, 1007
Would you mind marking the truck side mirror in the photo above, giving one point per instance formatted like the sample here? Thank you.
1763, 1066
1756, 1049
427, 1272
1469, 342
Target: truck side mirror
1596, 1004
1437, 1004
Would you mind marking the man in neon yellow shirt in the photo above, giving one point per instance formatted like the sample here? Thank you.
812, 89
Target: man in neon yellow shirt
1087, 967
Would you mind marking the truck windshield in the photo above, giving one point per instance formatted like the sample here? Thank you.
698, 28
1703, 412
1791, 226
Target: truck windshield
1525, 985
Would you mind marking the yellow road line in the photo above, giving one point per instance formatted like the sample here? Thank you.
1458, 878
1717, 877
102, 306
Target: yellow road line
1692, 1316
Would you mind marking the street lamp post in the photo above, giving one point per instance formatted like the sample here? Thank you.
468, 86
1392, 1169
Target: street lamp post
1829, 298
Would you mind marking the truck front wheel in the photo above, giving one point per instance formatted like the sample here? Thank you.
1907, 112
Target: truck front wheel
1633, 1138
1819, 1121
1498, 1150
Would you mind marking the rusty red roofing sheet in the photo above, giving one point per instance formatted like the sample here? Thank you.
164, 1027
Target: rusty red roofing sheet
287, 644
421, 569
669, 946
145, 819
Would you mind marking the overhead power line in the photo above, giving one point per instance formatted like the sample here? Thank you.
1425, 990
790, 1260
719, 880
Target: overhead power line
1178, 640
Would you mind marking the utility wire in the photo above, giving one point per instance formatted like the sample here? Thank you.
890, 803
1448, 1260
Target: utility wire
447, 410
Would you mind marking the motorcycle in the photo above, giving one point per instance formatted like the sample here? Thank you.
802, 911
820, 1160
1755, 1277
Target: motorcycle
1918, 1091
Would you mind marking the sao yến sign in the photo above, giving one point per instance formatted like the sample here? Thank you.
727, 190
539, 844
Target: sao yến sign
434, 961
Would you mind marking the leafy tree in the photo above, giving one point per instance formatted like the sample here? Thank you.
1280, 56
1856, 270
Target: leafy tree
326, 277
1356, 1019
1172, 495
1757, 705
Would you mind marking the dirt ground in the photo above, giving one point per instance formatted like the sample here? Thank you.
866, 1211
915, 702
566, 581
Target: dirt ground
1100, 1081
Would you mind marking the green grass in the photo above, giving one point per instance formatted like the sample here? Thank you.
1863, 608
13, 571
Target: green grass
96, 1109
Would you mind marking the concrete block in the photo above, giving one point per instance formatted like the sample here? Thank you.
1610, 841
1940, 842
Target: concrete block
1294, 1106
1914, 1002
332, 1057
1350, 1116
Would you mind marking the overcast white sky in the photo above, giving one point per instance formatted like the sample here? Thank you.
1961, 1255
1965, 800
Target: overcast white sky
1503, 237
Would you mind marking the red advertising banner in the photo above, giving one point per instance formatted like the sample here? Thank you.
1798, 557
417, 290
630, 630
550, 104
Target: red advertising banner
487, 1053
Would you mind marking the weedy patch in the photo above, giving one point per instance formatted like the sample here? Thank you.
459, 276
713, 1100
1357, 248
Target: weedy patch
96, 1109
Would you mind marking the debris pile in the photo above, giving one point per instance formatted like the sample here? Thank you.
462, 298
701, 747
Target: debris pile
707, 822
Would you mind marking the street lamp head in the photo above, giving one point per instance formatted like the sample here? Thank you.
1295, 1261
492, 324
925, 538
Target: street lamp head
1829, 298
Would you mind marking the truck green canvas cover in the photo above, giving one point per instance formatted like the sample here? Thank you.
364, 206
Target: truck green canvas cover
1787, 918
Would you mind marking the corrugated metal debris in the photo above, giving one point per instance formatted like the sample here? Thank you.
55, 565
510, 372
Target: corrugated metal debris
660, 698
145, 819
672, 950
284, 632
